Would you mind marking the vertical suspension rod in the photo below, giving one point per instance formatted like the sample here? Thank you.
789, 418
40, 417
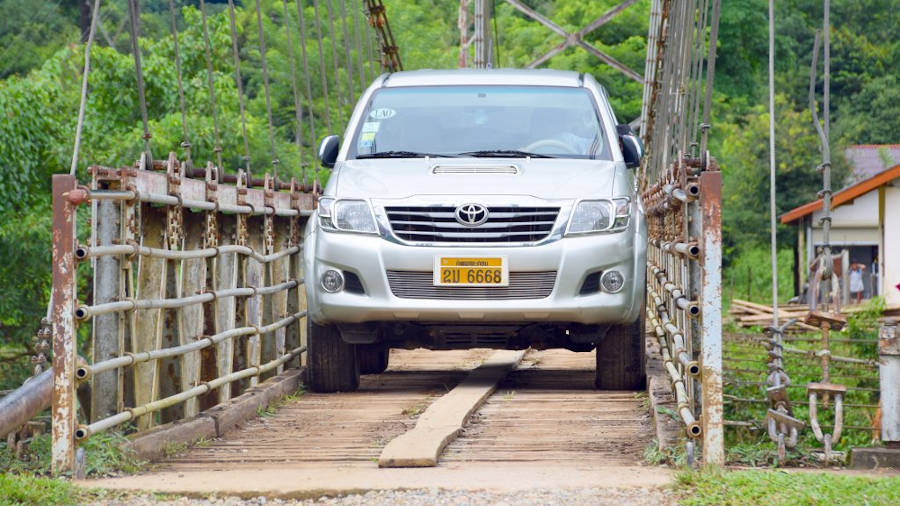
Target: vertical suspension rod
134, 13
210, 82
84, 86
773, 238
265, 73
240, 85
185, 143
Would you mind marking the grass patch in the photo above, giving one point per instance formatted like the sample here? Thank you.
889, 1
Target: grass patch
174, 448
780, 487
103, 453
668, 456
30, 489
414, 410
271, 409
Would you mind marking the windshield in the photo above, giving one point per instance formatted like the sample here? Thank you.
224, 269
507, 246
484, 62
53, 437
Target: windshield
516, 121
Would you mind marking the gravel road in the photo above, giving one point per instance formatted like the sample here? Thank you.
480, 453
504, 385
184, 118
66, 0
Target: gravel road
437, 497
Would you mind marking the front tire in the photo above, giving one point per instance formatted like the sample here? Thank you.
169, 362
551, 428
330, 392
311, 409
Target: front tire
332, 365
621, 358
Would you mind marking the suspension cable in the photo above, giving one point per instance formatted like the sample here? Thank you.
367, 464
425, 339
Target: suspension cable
359, 54
710, 77
772, 230
135, 17
240, 86
332, 35
217, 148
298, 109
370, 47
697, 52
265, 73
309, 96
185, 143
84, 86
322, 72
347, 57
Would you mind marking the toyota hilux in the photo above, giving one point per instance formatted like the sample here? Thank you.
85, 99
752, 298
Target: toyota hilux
477, 208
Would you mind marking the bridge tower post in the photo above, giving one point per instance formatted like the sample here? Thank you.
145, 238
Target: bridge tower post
62, 319
711, 317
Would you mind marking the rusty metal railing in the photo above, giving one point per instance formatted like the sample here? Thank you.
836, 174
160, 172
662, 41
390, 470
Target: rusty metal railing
682, 192
197, 294
684, 294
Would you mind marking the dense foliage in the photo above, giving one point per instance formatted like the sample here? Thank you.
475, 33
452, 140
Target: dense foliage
41, 58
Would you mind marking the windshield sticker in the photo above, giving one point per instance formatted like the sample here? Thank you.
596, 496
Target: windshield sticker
371, 126
382, 113
367, 136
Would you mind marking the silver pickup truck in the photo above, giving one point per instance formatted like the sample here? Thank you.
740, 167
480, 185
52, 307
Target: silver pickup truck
477, 208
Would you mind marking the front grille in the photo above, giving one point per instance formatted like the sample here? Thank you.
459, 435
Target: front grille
522, 285
437, 224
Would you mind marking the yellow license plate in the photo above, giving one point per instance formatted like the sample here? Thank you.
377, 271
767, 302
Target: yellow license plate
471, 271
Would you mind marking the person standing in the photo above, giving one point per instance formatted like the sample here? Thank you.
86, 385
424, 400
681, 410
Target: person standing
856, 282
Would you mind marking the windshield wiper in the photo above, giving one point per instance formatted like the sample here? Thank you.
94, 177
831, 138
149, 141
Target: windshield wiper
403, 154
513, 153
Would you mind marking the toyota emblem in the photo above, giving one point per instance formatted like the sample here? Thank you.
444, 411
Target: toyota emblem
471, 215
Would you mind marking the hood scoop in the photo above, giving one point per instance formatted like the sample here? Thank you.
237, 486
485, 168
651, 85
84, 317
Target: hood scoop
475, 169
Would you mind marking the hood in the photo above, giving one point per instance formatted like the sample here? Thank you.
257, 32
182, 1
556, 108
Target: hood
545, 178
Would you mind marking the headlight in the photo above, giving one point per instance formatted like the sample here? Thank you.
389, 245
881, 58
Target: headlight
591, 216
346, 216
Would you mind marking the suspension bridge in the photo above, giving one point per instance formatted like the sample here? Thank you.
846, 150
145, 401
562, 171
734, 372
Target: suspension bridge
195, 319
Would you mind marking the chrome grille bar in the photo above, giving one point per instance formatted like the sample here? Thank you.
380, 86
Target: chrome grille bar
504, 224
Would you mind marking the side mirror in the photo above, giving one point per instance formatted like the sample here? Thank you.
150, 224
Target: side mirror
328, 150
632, 147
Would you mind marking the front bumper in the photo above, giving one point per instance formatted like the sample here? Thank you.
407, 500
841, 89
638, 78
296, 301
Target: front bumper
573, 258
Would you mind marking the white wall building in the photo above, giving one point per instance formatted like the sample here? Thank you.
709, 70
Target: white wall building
866, 223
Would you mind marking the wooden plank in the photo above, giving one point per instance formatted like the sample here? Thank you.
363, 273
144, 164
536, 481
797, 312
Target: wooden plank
190, 318
147, 326
276, 304
170, 368
295, 333
254, 277
442, 421
225, 277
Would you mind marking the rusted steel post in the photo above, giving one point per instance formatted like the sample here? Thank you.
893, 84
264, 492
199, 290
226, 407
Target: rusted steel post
63, 323
711, 317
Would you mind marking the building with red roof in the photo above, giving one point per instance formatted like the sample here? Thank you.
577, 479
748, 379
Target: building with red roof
865, 225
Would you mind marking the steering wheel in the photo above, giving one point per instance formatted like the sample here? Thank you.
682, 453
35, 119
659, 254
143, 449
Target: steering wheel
536, 145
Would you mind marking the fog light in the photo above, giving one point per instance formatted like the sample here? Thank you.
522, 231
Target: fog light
612, 281
332, 281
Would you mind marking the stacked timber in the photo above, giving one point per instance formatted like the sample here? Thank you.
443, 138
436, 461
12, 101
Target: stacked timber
750, 314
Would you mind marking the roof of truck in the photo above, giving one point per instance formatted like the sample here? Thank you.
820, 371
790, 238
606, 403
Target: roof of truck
544, 77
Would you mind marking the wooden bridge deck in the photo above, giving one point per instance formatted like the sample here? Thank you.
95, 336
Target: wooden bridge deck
546, 410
